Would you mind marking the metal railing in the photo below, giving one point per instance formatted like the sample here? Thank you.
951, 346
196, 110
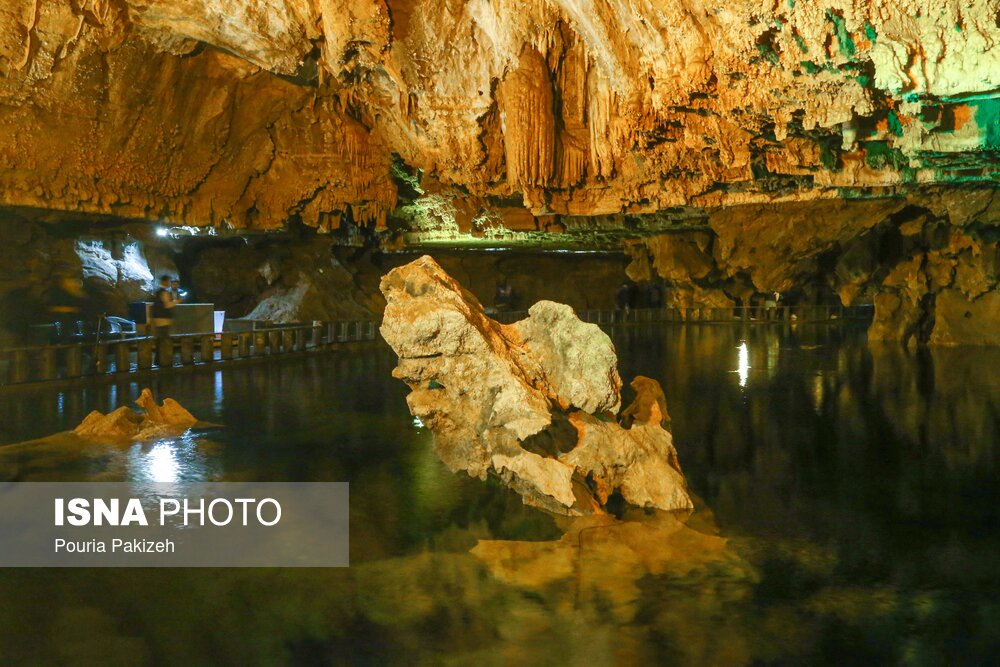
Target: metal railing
749, 314
144, 353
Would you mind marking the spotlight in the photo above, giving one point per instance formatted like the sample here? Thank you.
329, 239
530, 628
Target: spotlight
161, 231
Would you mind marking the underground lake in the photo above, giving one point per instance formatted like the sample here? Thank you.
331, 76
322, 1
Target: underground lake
846, 503
617, 333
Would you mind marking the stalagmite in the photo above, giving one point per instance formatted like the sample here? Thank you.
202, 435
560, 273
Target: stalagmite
533, 402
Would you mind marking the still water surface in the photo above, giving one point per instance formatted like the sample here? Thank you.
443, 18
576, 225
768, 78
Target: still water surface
848, 503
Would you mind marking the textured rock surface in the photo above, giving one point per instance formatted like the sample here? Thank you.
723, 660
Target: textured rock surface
124, 423
734, 147
942, 289
924, 261
241, 113
579, 362
497, 398
114, 269
961, 320
294, 281
649, 405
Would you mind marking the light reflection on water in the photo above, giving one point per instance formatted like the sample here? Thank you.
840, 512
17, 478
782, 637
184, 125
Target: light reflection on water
743, 363
160, 464
847, 510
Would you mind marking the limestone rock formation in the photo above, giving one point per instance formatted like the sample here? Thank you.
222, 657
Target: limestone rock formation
155, 421
733, 147
532, 402
649, 405
250, 114
943, 287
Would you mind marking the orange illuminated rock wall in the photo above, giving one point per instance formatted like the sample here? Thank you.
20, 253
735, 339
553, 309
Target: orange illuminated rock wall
255, 113
791, 133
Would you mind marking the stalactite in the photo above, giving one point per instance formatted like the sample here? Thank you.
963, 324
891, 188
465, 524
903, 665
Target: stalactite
525, 98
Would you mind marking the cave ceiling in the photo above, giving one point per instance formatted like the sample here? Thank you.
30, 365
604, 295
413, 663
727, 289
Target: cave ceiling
495, 122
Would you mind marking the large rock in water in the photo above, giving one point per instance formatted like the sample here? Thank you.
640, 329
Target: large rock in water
156, 421
532, 402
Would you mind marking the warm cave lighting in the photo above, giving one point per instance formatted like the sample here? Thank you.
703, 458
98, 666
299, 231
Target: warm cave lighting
743, 364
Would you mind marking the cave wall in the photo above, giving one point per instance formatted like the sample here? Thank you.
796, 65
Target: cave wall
303, 280
932, 270
291, 277
928, 263
94, 119
727, 148
110, 265
249, 114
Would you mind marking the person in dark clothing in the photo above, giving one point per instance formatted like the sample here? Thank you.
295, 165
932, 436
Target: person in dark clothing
175, 289
654, 296
623, 297
163, 318
504, 297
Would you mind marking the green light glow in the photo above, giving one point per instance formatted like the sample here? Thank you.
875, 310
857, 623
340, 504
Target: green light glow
987, 113
844, 40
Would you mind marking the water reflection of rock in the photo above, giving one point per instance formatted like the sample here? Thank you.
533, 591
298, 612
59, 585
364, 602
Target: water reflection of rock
820, 406
836, 577
942, 400
601, 561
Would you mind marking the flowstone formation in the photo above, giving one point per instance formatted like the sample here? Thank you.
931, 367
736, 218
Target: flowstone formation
730, 148
496, 117
155, 421
533, 402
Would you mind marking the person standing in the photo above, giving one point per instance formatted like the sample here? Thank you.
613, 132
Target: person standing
163, 318
504, 296
624, 298
654, 296
178, 293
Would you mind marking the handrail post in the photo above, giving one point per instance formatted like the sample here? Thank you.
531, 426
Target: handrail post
47, 363
259, 343
207, 351
100, 358
226, 346
123, 357
18, 369
187, 351
165, 351
144, 354
244, 344
74, 361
